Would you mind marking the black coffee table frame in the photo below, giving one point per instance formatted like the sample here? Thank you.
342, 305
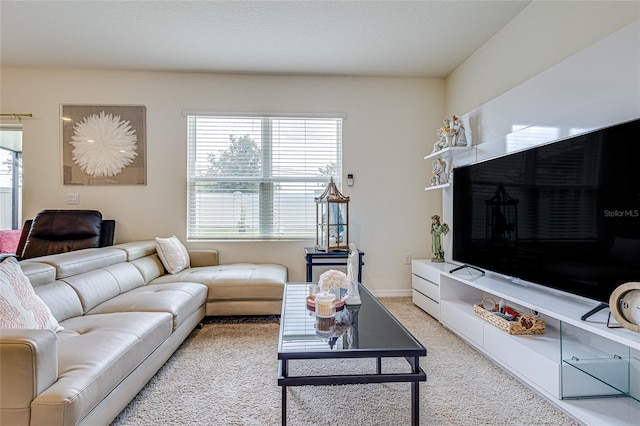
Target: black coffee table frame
408, 347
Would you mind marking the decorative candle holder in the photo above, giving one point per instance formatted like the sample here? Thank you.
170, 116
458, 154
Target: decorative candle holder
325, 305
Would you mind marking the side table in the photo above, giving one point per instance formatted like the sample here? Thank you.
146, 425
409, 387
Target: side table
329, 258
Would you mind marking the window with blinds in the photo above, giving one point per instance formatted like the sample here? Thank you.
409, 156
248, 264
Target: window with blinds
256, 177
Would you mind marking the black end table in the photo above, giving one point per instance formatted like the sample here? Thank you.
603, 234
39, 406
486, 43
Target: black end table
329, 258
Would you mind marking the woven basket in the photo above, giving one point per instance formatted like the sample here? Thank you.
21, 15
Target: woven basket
511, 327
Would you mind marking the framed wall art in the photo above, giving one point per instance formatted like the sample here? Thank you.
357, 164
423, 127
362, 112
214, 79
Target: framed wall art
103, 144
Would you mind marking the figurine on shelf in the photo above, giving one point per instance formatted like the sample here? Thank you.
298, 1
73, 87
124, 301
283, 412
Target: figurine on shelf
457, 129
437, 230
441, 143
446, 132
440, 172
446, 125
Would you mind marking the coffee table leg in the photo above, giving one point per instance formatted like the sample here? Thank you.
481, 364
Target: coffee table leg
415, 393
284, 366
415, 403
379, 365
284, 405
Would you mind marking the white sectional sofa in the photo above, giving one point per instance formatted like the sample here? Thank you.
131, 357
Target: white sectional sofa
123, 317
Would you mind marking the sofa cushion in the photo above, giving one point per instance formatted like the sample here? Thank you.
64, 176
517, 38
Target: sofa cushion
20, 307
137, 249
94, 287
61, 298
238, 281
95, 352
77, 262
97, 286
181, 300
150, 267
126, 275
172, 253
38, 273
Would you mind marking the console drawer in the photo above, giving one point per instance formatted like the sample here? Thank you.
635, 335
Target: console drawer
428, 305
426, 287
425, 269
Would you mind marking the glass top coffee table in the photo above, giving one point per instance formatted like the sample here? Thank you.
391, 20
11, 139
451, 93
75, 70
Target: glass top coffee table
358, 331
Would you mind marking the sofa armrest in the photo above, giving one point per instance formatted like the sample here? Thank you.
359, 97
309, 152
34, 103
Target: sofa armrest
28, 366
203, 257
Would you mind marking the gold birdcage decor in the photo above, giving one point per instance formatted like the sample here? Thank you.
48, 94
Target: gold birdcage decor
332, 220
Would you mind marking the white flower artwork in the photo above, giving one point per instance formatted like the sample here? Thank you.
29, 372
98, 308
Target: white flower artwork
104, 144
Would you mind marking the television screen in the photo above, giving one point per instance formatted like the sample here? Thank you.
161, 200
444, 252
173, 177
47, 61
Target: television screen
564, 215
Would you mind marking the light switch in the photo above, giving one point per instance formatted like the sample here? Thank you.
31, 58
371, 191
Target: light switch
72, 198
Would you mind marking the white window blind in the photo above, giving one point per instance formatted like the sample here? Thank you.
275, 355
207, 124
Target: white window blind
256, 177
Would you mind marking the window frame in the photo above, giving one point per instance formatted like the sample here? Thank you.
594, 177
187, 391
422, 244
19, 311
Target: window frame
14, 149
268, 180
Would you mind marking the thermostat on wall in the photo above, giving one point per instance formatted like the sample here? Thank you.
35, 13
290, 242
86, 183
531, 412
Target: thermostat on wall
349, 180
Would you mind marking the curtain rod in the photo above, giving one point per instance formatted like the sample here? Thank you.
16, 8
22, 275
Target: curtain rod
17, 116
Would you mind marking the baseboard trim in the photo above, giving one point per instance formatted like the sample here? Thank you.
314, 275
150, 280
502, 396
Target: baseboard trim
392, 293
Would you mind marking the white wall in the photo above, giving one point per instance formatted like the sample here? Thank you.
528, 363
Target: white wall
389, 128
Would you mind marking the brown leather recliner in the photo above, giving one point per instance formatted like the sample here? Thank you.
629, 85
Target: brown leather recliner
59, 231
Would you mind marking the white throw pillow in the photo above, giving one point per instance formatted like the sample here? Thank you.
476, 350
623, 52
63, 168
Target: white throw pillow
20, 306
173, 254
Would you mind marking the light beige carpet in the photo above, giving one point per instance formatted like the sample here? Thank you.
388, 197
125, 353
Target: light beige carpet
226, 374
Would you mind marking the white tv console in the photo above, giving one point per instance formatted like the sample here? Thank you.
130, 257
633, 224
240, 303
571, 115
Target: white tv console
588, 370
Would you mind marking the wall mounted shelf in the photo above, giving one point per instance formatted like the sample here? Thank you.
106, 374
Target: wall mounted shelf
431, 188
448, 152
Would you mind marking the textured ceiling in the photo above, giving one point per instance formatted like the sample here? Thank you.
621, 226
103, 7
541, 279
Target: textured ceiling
370, 38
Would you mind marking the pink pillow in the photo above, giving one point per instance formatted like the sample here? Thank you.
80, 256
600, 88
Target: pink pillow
9, 240
20, 306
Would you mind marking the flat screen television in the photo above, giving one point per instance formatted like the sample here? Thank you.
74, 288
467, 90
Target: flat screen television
565, 215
